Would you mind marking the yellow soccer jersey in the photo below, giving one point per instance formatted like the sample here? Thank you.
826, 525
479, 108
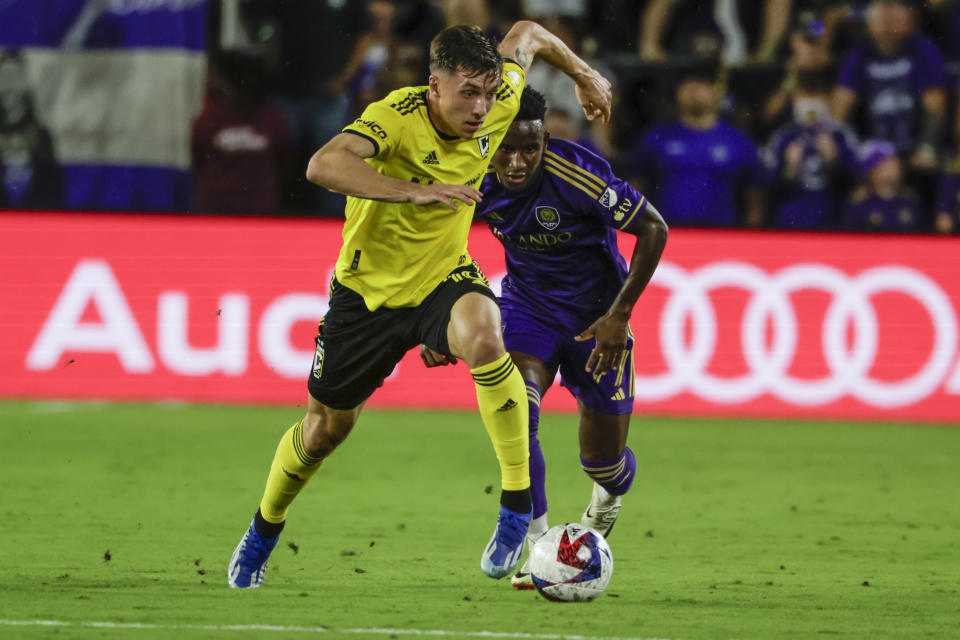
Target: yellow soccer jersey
395, 254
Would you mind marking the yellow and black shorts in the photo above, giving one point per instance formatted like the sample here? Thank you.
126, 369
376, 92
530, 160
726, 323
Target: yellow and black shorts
358, 348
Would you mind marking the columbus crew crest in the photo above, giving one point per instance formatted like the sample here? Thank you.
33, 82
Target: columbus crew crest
484, 142
318, 359
548, 217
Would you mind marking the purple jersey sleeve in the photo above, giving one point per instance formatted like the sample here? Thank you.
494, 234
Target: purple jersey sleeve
600, 191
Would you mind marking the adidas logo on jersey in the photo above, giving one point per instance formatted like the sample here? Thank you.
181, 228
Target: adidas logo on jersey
431, 158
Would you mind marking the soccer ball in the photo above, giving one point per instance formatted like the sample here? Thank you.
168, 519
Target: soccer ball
571, 563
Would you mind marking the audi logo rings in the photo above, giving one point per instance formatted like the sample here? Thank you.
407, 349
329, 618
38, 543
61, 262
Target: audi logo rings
768, 365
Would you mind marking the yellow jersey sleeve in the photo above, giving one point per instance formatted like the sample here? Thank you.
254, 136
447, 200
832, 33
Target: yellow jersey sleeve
508, 97
381, 123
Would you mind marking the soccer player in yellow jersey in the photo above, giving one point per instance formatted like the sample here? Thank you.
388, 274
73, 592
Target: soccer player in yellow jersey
410, 166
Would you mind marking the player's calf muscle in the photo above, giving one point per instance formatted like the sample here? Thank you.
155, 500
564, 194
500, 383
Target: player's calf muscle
323, 432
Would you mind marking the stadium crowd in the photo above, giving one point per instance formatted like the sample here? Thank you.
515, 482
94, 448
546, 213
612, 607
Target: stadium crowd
799, 114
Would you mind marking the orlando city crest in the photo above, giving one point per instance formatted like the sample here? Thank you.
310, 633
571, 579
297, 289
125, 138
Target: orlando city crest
484, 142
548, 217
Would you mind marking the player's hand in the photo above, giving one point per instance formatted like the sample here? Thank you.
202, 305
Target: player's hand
433, 358
448, 194
594, 93
610, 333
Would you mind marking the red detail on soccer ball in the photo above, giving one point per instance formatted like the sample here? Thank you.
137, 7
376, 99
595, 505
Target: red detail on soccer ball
567, 552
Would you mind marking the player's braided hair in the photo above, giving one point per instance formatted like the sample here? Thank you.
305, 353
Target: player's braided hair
464, 48
533, 106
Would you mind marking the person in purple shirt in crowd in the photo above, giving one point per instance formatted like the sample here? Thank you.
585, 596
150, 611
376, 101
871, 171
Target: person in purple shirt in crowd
705, 171
947, 219
568, 295
897, 76
813, 159
882, 203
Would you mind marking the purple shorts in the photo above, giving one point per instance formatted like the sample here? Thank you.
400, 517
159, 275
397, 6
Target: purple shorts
553, 342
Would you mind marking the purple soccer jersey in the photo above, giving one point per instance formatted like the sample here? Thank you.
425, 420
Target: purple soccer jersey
873, 213
563, 265
698, 174
812, 197
889, 88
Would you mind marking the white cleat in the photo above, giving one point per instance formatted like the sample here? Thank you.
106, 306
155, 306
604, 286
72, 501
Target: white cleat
601, 514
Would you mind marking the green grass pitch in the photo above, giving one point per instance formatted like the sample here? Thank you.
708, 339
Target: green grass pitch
118, 521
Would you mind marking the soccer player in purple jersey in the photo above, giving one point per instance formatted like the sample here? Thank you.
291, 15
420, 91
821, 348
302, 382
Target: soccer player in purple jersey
568, 296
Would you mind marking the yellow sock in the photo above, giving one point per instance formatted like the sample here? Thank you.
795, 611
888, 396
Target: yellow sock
289, 473
502, 398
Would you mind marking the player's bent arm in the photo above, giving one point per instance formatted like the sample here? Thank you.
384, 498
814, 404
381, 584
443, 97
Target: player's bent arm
610, 331
339, 166
527, 39
651, 233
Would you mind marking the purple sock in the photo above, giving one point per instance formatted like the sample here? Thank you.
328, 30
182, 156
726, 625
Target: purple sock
615, 476
538, 467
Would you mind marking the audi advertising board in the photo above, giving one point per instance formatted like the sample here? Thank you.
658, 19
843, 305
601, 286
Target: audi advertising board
224, 309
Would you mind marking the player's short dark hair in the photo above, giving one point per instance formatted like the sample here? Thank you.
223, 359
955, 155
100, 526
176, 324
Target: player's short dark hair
533, 106
464, 48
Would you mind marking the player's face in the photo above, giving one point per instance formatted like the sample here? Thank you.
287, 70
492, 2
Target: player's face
461, 101
517, 161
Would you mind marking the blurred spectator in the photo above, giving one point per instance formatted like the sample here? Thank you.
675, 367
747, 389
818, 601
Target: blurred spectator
360, 77
315, 39
240, 146
808, 57
30, 176
882, 203
565, 18
945, 15
813, 159
559, 90
691, 28
560, 124
898, 77
700, 170
466, 12
947, 219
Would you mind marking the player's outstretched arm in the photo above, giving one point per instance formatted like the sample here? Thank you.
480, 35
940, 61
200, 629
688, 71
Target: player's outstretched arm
339, 166
527, 39
610, 330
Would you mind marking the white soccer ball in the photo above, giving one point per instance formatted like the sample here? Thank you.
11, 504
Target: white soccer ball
571, 563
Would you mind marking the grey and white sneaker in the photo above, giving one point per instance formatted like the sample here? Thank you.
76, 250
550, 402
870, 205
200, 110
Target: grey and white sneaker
521, 580
601, 514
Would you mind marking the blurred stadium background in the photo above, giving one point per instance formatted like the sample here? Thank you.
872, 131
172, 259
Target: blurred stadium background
150, 124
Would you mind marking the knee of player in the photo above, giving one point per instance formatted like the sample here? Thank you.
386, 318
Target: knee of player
482, 347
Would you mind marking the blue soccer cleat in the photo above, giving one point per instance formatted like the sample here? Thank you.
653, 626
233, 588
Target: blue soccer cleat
503, 553
249, 560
